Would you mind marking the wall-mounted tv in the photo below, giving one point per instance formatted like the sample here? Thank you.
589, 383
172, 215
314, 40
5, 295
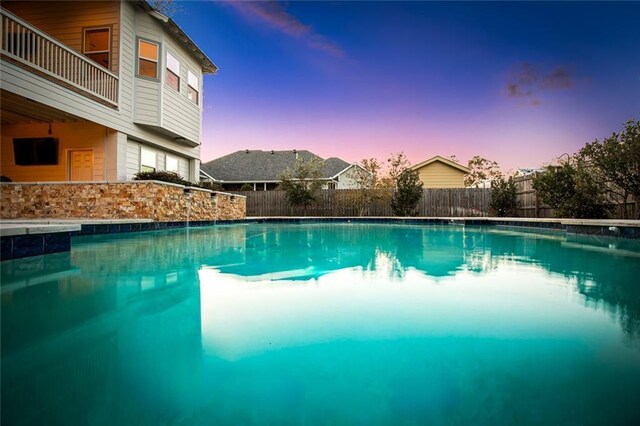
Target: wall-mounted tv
35, 151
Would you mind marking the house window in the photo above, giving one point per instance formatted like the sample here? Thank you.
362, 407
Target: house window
148, 58
97, 45
172, 77
148, 161
172, 164
192, 87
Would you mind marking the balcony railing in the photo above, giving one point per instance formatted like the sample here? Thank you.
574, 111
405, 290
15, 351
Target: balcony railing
27, 45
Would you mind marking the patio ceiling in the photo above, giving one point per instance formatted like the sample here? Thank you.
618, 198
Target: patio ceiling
16, 109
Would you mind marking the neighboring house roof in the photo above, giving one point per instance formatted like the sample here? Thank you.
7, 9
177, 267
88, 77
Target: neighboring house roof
526, 171
333, 166
442, 160
205, 175
208, 67
265, 166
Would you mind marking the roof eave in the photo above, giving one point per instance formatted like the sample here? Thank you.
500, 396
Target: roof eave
444, 161
208, 67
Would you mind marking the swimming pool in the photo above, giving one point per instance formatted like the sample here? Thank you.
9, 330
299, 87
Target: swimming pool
323, 324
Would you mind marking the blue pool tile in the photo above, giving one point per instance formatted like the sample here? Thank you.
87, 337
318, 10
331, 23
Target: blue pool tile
626, 232
6, 248
28, 245
101, 229
87, 230
54, 243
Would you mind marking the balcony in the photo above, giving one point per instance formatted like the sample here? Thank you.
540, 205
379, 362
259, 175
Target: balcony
30, 48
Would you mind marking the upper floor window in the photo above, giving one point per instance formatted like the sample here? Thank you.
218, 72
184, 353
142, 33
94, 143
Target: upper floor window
172, 77
97, 45
192, 87
148, 160
148, 58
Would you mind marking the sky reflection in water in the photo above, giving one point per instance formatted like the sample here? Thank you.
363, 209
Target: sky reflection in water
338, 323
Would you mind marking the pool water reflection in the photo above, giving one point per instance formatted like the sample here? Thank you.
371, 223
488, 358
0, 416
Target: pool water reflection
326, 323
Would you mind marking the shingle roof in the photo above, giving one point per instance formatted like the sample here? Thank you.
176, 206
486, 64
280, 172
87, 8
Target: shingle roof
333, 166
263, 166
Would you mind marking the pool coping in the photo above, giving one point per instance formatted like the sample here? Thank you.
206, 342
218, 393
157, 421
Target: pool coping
33, 237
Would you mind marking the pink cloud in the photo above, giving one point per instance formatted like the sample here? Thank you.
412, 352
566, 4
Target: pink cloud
526, 81
275, 16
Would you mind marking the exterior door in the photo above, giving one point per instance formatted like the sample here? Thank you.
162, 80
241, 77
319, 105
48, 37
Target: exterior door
81, 165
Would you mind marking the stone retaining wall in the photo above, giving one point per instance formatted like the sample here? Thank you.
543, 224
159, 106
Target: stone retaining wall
159, 201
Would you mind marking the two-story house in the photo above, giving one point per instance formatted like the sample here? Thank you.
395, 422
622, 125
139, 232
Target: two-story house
97, 91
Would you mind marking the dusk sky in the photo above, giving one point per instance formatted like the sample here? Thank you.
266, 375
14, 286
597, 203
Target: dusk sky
519, 83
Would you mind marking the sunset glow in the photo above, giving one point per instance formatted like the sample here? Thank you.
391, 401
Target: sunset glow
520, 83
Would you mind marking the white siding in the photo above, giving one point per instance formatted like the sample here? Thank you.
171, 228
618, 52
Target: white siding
346, 180
139, 100
133, 158
122, 156
183, 168
179, 114
147, 102
31, 86
161, 161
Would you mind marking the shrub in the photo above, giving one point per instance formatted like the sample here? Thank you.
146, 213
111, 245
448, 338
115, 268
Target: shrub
302, 183
504, 200
164, 176
572, 191
246, 187
213, 186
408, 194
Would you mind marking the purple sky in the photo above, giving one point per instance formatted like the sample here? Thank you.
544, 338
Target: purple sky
520, 83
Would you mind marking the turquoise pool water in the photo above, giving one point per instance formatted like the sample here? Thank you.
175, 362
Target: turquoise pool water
323, 324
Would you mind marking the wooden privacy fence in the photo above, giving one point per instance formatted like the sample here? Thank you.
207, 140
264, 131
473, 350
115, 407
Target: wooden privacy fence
530, 206
454, 202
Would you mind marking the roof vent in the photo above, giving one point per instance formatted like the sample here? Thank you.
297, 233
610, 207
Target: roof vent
246, 151
271, 151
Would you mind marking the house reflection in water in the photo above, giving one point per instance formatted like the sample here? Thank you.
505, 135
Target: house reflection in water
108, 331
137, 328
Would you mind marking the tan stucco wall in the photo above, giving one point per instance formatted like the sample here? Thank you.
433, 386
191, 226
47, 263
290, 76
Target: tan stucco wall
120, 200
71, 136
440, 175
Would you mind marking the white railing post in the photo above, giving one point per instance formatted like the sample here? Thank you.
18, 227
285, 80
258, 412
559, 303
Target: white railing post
24, 43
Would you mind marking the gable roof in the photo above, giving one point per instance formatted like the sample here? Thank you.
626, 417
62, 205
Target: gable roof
265, 166
208, 67
333, 166
444, 161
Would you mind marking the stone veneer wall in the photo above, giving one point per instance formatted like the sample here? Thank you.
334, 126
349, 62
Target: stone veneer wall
160, 201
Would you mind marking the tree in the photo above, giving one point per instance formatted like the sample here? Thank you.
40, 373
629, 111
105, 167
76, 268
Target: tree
370, 185
408, 193
481, 170
572, 190
504, 198
166, 7
302, 183
397, 164
617, 161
